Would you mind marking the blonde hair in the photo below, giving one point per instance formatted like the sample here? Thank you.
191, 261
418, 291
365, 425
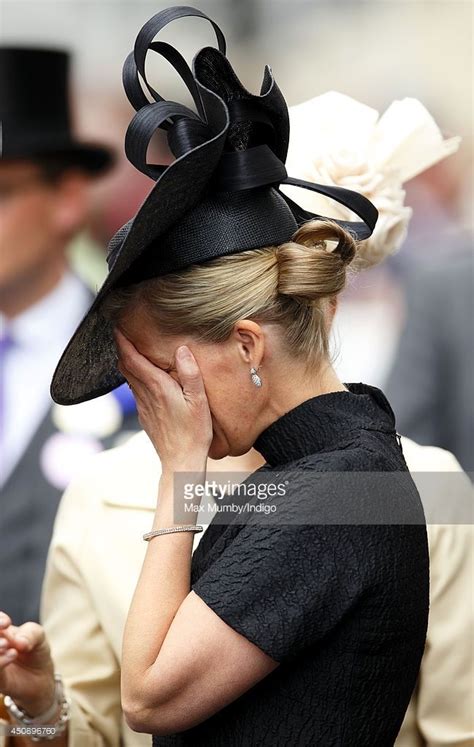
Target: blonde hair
289, 285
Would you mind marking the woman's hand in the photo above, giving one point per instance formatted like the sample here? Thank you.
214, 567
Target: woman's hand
175, 416
26, 666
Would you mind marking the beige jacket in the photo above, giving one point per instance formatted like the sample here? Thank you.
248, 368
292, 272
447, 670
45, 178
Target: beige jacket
93, 566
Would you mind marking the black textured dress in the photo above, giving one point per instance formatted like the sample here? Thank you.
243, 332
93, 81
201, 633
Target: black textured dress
341, 603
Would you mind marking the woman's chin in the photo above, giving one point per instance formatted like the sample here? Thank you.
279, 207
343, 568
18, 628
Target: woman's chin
218, 450
219, 447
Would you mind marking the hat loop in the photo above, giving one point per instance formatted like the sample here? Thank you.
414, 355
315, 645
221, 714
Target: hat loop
352, 200
185, 130
135, 62
187, 134
141, 129
246, 169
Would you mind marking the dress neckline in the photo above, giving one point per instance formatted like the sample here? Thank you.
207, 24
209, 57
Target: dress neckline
326, 422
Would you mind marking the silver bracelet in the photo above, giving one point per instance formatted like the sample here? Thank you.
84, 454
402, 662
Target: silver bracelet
43, 720
169, 530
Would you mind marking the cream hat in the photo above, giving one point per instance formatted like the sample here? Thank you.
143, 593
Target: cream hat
339, 141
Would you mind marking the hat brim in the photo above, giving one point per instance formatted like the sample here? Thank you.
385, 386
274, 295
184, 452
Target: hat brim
88, 366
90, 157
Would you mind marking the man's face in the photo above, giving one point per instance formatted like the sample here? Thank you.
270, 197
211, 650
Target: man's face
37, 217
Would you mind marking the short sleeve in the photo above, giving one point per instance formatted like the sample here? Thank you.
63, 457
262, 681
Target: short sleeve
283, 587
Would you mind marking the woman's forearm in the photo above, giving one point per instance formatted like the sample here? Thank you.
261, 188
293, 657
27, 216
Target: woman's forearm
163, 584
174, 412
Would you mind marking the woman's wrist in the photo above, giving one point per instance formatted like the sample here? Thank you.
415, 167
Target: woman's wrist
195, 463
34, 708
37, 711
180, 492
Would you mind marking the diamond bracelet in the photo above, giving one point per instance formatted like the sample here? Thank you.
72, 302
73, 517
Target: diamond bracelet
169, 530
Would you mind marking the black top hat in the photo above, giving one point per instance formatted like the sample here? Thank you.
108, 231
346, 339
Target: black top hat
220, 196
34, 109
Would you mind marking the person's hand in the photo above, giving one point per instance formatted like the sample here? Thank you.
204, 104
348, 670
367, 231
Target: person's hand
175, 416
26, 666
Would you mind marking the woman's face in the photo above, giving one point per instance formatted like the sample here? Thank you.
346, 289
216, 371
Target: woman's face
234, 401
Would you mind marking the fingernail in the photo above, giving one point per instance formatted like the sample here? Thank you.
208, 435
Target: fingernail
22, 639
183, 352
11, 653
3, 642
3, 618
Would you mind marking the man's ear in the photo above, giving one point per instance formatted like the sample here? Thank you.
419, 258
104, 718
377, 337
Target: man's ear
71, 202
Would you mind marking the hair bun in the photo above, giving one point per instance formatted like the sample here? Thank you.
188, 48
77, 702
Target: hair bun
308, 269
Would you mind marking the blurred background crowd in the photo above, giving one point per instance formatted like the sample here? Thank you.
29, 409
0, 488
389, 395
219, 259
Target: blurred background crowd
405, 325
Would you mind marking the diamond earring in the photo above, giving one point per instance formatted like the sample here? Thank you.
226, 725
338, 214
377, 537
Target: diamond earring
255, 377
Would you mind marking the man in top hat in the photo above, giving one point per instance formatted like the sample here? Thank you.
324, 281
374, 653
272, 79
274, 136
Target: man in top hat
44, 177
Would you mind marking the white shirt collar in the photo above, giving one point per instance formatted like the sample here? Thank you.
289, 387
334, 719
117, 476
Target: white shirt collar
53, 316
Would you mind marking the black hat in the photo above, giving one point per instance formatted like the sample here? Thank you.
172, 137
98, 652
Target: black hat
34, 109
220, 196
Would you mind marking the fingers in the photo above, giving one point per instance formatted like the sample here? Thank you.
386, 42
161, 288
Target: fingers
28, 636
7, 632
189, 374
134, 364
7, 656
24, 638
143, 374
7, 652
5, 621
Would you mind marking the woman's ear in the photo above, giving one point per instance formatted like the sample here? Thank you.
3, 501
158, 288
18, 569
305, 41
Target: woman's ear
250, 340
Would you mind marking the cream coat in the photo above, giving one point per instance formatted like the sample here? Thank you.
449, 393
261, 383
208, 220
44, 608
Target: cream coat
93, 566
